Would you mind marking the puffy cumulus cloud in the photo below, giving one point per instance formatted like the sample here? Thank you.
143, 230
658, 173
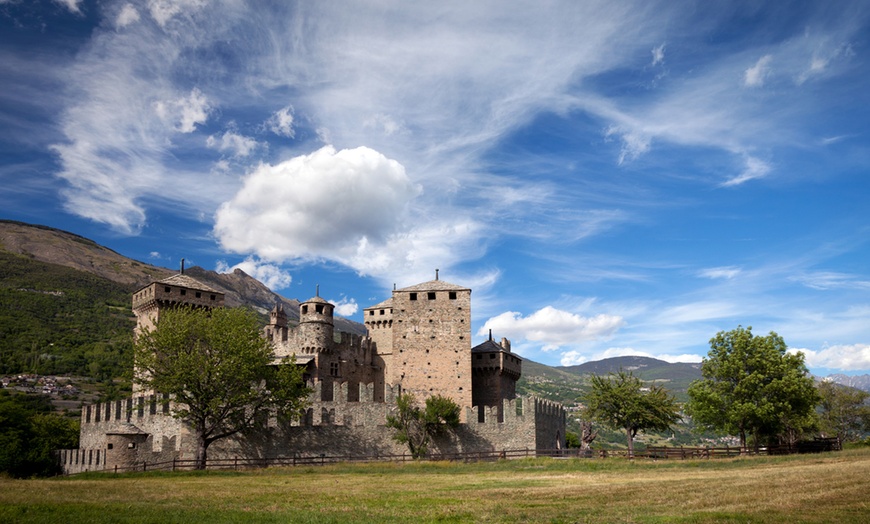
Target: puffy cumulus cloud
553, 327
854, 357
126, 16
272, 276
724, 272
755, 75
186, 112
281, 122
345, 307
231, 142
338, 205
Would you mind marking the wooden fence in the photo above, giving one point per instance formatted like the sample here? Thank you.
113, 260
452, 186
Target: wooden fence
653, 453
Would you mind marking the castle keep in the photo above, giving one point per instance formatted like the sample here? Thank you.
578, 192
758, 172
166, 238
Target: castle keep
417, 341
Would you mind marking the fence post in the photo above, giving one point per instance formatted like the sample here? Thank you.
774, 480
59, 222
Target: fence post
144, 465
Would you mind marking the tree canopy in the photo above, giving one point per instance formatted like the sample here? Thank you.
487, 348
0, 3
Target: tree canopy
843, 412
621, 401
29, 434
218, 370
416, 426
752, 386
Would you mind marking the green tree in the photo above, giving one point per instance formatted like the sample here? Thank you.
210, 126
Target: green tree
843, 411
218, 371
752, 386
621, 401
29, 434
416, 426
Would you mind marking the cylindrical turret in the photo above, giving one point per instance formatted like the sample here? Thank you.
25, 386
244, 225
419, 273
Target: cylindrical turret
316, 326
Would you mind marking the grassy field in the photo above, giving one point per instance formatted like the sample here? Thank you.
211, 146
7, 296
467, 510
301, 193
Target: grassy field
830, 487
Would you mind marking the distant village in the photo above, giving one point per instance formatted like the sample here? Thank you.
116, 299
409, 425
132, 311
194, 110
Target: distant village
45, 384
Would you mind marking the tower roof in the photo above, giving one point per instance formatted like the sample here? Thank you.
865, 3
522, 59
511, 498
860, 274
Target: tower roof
388, 303
435, 285
317, 300
182, 280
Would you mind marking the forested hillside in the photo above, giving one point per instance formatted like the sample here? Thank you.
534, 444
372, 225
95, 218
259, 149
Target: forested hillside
57, 320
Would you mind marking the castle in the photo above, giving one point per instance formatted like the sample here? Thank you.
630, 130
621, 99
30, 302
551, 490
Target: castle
418, 341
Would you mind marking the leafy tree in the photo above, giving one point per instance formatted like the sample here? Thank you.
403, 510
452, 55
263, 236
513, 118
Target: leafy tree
844, 412
416, 426
216, 367
29, 433
620, 401
752, 386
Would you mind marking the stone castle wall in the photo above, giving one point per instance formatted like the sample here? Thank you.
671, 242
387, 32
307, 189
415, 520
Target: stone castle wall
141, 429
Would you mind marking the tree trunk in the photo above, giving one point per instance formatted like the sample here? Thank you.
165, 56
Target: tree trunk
630, 443
201, 453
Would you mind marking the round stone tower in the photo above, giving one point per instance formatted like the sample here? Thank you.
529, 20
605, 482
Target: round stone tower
316, 327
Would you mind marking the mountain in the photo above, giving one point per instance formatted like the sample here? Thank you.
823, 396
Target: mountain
54, 246
861, 382
566, 383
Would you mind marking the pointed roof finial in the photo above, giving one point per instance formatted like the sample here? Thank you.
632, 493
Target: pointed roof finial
182, 266
394, 286
436, 274
490, 335
317, 290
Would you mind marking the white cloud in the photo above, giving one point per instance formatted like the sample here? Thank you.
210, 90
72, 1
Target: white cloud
272, 276
755, 168
755, 75
163, 11
854, 357
658, 54
154, 254
349, 206
383, 124
128, 15
281, 122
345, 307
724, 272
634, 142
234, 143
72, 5
553, 328
185, 113
824, 280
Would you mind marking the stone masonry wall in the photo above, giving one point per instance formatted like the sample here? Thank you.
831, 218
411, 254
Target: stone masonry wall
335, 428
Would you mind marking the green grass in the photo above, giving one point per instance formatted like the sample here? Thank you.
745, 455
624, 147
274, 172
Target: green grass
829, 487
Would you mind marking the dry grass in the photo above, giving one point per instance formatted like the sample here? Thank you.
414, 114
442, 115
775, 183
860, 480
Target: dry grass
831, 487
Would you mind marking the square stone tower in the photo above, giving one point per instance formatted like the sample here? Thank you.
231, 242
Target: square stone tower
431, 341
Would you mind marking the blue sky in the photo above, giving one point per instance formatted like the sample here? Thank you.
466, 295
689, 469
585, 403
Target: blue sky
609, 178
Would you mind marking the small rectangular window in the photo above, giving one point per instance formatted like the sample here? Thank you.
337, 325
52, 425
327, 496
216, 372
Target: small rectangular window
183, 292
333, 369
413, 296
431, 295
212, 297
452, 295
167, 289
319, 308
198, 294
